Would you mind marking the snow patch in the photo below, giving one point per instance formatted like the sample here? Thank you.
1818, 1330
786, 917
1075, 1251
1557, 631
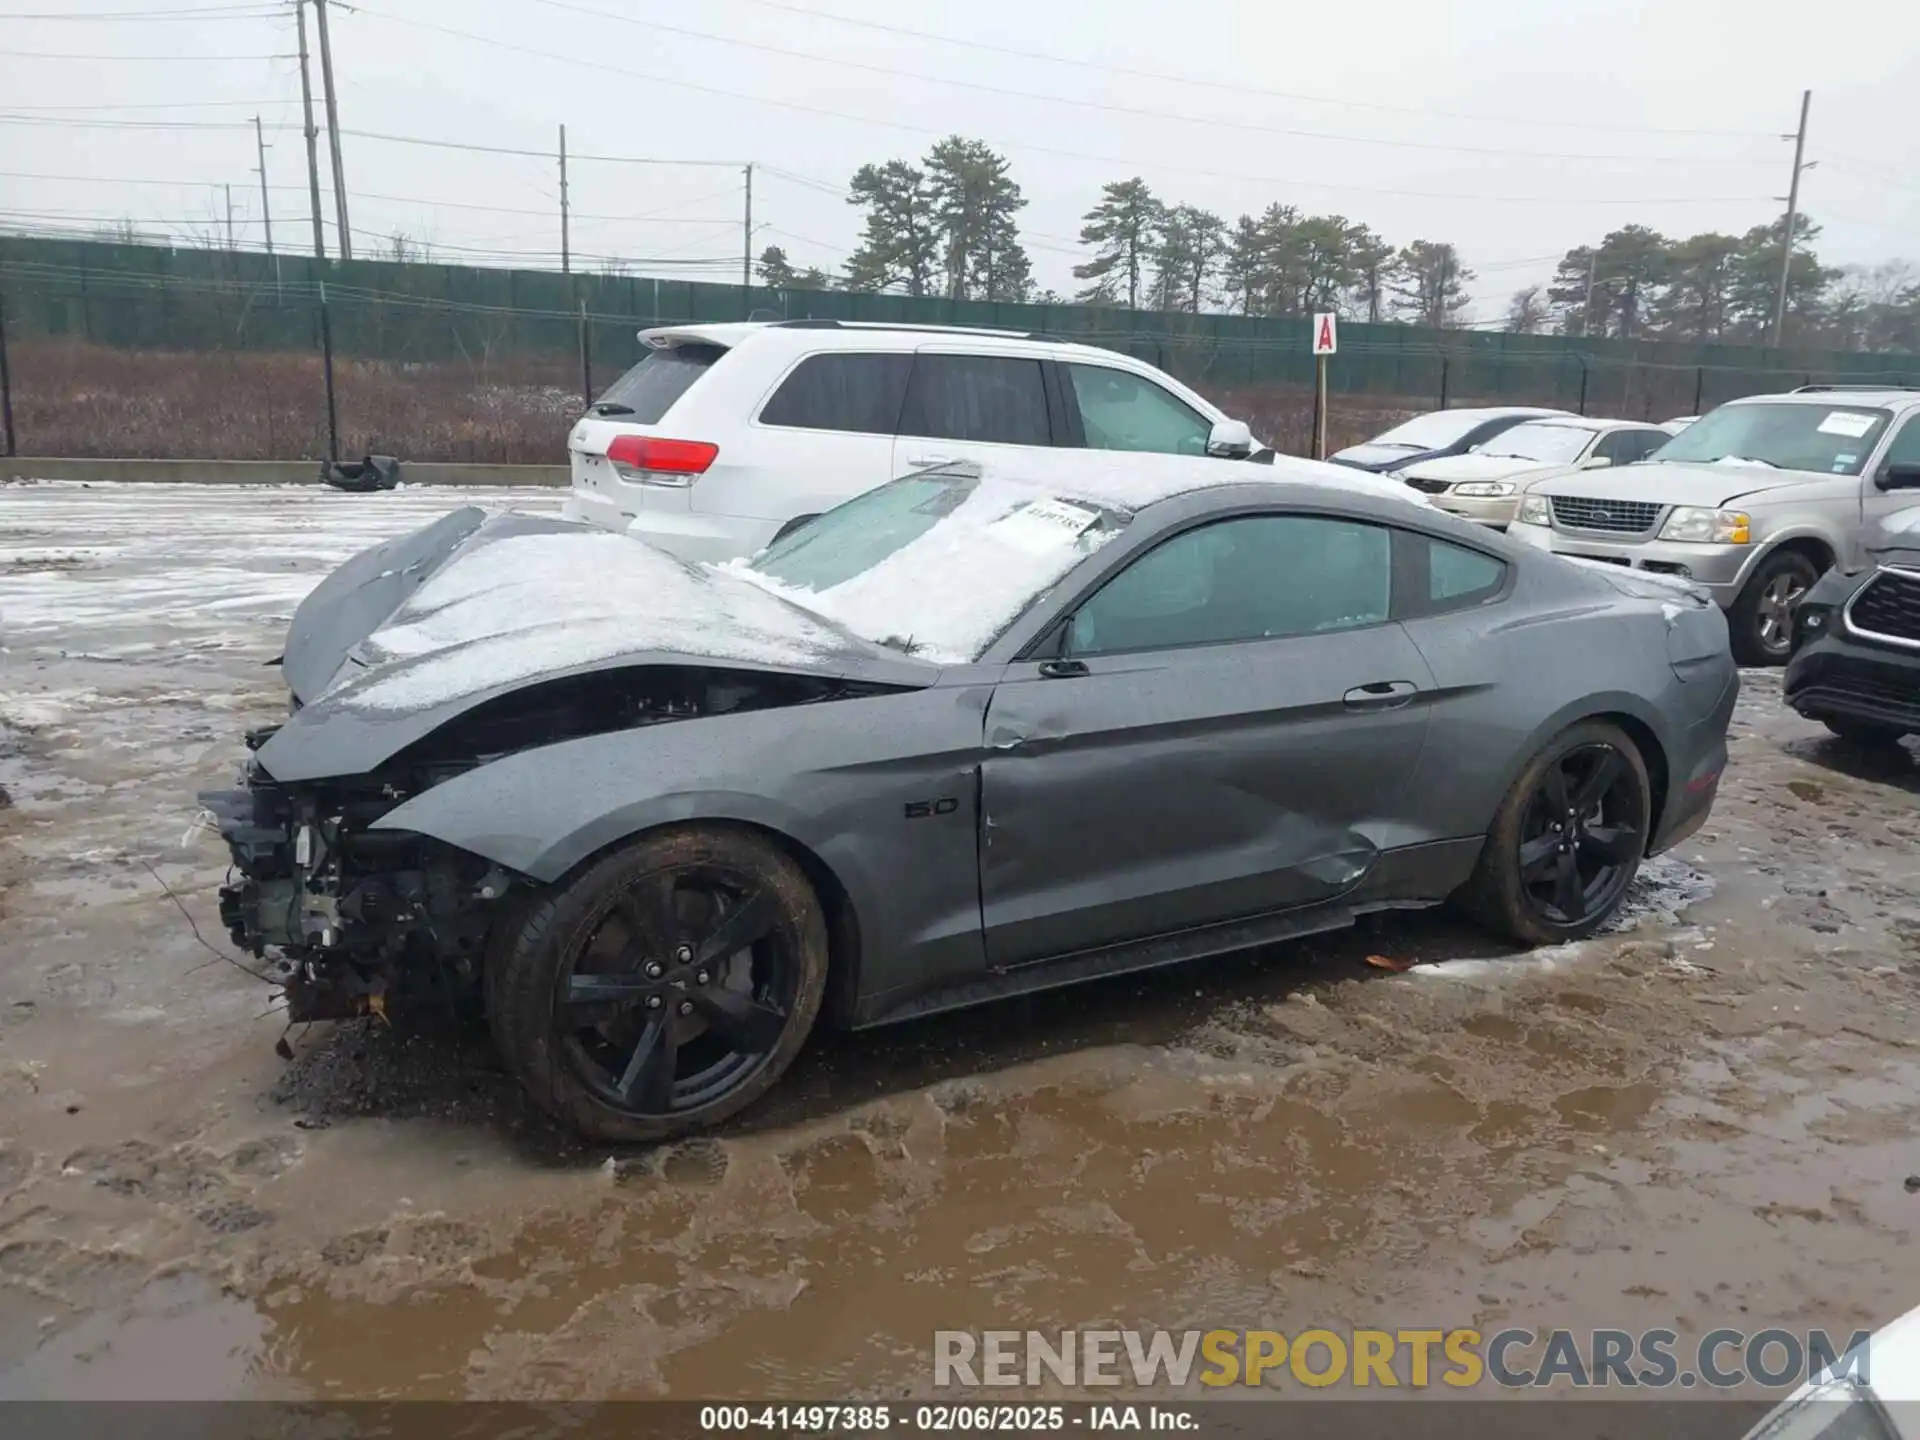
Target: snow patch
525, 606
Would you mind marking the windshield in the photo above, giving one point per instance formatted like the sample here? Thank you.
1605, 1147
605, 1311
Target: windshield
1431, 432
646, 392
936, 565
1549, 444
1832, 439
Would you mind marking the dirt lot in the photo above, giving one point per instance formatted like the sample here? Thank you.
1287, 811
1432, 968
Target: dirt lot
1703, 1120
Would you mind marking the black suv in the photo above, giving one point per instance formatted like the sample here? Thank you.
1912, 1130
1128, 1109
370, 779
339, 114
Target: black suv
1856, 641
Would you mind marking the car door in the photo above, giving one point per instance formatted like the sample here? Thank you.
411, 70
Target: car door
1224, 731
973, 404
824, 435
1119, 410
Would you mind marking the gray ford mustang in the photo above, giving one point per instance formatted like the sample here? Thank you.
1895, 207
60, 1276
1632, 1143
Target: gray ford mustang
967, 736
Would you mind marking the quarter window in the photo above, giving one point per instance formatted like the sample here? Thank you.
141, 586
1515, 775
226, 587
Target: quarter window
861, 393
1262, 577
1458, 577
1122, 411
990, 399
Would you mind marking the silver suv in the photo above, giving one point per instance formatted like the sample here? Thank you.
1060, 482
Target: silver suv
1753, 502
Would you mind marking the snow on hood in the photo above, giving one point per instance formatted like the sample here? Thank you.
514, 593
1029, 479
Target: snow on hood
523, 606
1372, 454
1674, 484
1477, 467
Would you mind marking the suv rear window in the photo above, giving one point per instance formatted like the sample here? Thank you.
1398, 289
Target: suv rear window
646, 392
861, 393
989, 399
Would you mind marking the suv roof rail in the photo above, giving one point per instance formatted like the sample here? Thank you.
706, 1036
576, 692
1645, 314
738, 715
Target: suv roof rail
909, 325
1809, 389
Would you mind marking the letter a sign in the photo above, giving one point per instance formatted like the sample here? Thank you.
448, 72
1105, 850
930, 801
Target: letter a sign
1324, 341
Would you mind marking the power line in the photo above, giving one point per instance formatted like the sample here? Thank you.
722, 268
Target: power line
1111, 160
1215, 83
143, 59
156, 105
1107, 107
247, 10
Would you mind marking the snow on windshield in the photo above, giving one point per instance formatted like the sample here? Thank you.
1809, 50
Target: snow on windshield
1431, 432
1798, 434
529, 605
955, 562
1549, 444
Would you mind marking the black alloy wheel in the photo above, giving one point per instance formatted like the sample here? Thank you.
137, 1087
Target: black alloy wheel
665, 988
1566, 841
1580, 839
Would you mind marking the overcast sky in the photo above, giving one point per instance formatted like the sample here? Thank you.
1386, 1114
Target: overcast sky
1514, 128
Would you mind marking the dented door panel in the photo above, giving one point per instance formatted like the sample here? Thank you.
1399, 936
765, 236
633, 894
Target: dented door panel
1178, 788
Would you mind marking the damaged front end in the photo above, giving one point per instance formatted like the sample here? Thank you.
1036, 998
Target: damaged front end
359, 921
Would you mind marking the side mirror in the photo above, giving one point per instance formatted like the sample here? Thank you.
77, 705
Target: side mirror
1900, 475
1595, 462
1230, 440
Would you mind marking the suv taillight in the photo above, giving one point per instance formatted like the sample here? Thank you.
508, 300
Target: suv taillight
653, 461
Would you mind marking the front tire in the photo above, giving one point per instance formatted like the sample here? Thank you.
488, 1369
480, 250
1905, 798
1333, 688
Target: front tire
663, 987
1761, 619
1567, 841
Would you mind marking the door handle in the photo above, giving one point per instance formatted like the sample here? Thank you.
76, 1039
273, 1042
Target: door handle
1061, 669
1380, 695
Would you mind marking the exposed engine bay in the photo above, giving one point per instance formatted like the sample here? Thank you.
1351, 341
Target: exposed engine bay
371, 921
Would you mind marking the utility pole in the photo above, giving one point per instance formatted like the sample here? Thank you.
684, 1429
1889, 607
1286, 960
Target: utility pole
1593, 266
746, 238
566, 259
1793, 218
333, 131
313, 150
229, 190
266, 209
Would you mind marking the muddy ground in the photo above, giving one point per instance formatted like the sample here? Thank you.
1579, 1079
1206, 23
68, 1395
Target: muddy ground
1703, 1120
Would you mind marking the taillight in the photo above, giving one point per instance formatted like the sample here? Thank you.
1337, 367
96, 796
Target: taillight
660, 462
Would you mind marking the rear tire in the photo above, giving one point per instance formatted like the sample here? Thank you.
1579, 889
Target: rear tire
661, 988
1761, 619
1864, 733
1549, 821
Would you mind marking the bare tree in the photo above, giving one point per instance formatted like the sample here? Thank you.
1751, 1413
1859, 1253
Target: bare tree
1527, 311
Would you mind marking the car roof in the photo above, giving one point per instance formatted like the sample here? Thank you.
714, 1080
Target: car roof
1590, 422
861, 334
1890, 397
1133, 480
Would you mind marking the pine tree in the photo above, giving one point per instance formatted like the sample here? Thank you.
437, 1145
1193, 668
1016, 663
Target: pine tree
1431, 288
776, 271
973, 204
897, 244
1123, 226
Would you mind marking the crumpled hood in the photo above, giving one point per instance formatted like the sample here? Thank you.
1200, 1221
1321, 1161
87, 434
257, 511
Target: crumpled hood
1896, 539
1708, 486
490, 605
1455, 468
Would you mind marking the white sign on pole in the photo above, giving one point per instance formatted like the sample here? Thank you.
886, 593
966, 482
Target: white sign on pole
1325, 339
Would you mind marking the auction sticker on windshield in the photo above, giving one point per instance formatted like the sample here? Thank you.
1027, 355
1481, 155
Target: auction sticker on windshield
1044, 525
1850, 423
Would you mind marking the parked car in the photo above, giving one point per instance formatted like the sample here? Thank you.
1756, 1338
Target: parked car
936, 748
1871, 1393
726, 436
1485, 484
1429, 436
1755, 501
1856, 638
1678, 423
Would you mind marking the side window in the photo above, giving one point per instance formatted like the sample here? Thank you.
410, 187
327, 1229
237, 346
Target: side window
1904, 448
1261, 577
1120, 411
987, 398
1625, 447
861, 393
1458, 577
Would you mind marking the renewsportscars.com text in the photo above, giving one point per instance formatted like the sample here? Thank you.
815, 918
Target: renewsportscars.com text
1416, 1359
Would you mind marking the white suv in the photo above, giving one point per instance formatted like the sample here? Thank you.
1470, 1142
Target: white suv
725, 435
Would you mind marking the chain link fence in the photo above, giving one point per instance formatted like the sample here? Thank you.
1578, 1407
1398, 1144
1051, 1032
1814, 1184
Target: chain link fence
137, 351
